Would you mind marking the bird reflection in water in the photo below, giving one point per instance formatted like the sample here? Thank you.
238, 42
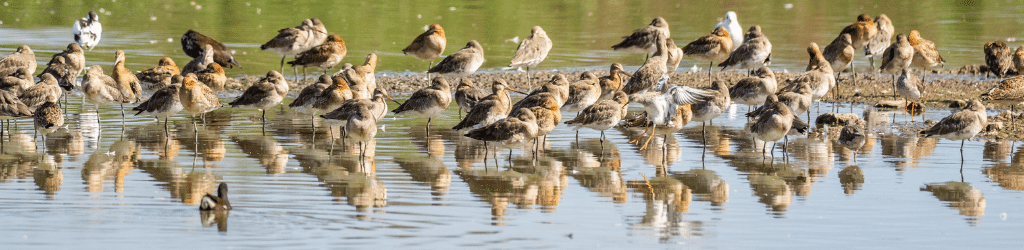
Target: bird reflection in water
595, 167
48, 177
907, 149
851, 178
114, 163
961, 196
706, 185
354, 178
667, 199
265, 149
205, 140
1009, 175
65, 142
430, 170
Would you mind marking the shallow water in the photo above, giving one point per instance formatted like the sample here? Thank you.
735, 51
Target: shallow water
581, 31
291, 188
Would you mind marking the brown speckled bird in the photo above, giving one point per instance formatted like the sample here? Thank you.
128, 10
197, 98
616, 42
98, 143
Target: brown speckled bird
1010, 91
468, 95
511, 132
17, 81
66, 66
651, 74
755, 52
48, 118
196, 97
199, 63
263, 95
602, 115
711, 48
46, 90
613, 81
926, 55
324, 56
427, 102
428, 46
1018, 59
294, 40
160, 76
998, 58
492, 108
896, 58
23, 58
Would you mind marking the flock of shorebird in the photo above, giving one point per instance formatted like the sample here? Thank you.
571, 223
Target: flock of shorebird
351, 99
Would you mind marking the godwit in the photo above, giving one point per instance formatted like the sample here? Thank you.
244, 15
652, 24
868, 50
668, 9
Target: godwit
463, 62
683, 115
558, 86
159, 76
926, 55
87, 30
772, 125
492, 108
193, 43
428, 46
377, 106
304, 102
819, 78
1018, 59
717, 101
861, 32
877, 45
102, 90
756, 51
796, 96
583, 93
548, 117
264, 94
467, 96
219, 202
362, 127
839, 54
675, 55
11, 107
961, 125
364, 73
651, 74
430, 101
17, 81
213, 76
645, 40
753, 90
291, 41
732, 25
1010, 91
332, 97
44, 91
910, 87
612, 82
711, 48
897, 58
602, 115
513, 131
324, 56
66, 66
48, 118
125, 79
23, 57
853, 138
197, 98
998, 58
163, 104
317, 32
199, 63
359, 87
532, 51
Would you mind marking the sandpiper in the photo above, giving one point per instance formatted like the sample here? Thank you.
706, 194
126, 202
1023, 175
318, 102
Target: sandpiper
160, 76
602, 115
732, 25
852, 137
819, 78
362, 127
463, 62
12, 108
711, 48
163, 104
264, 94
532, 51
961, 125
897, 57
103, 90
291, 41
304, 102
926, 55
717, 101
548, 115
17, 81
333, 96
513, 131
377, 106
193, 43
48, 118
861, 31
217, 203
612, 82
197, 98
652, 73
755, 52
583, 93
839, 54
1010, 91
492, 108
213, 76
23, 57
558, 86
201, 62
428, 46
645, 40
364, 73
877, 45
772, 125
359, 87
66, 65
46, 90
324, 56
125, 79
998, 58
429, 101
87, 30
910, 87
468, 95
753, 90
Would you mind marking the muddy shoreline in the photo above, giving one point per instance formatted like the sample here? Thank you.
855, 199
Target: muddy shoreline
943, 87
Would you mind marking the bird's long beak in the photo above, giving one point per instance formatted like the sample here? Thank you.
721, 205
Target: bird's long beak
392, 99
626, 73
515, 90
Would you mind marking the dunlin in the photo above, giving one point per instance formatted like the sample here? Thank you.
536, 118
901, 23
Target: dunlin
852, 137
87, 31
193, 43
1010, 91
532, 51
428, 46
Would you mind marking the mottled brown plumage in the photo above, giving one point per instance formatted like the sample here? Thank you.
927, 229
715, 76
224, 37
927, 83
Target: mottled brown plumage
262, 95
753, 90
861, 31
711, 48
548, 117
612, 82
532, 50
324, 56
428, 101
66, 66
998, 58
961, 125
160, 76
429, 45
602, 115
651, 73
48, 118
199, 63
1018, 59
880, 42
512, 131
463, 62
23, 58
926, 55
307, 97
1010, 91
364, 73
164, 102
295, 40
898, 56
840, 52
467, 95
558, 86
213, 76
17, 81
377, 106
11, 107
125, 79
101, 89
755, 52
332, 97
492, 108
192, 44
583, 93
645, 40
47, 90
196, 97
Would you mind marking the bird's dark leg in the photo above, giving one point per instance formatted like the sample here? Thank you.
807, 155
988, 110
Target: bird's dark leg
282, 64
